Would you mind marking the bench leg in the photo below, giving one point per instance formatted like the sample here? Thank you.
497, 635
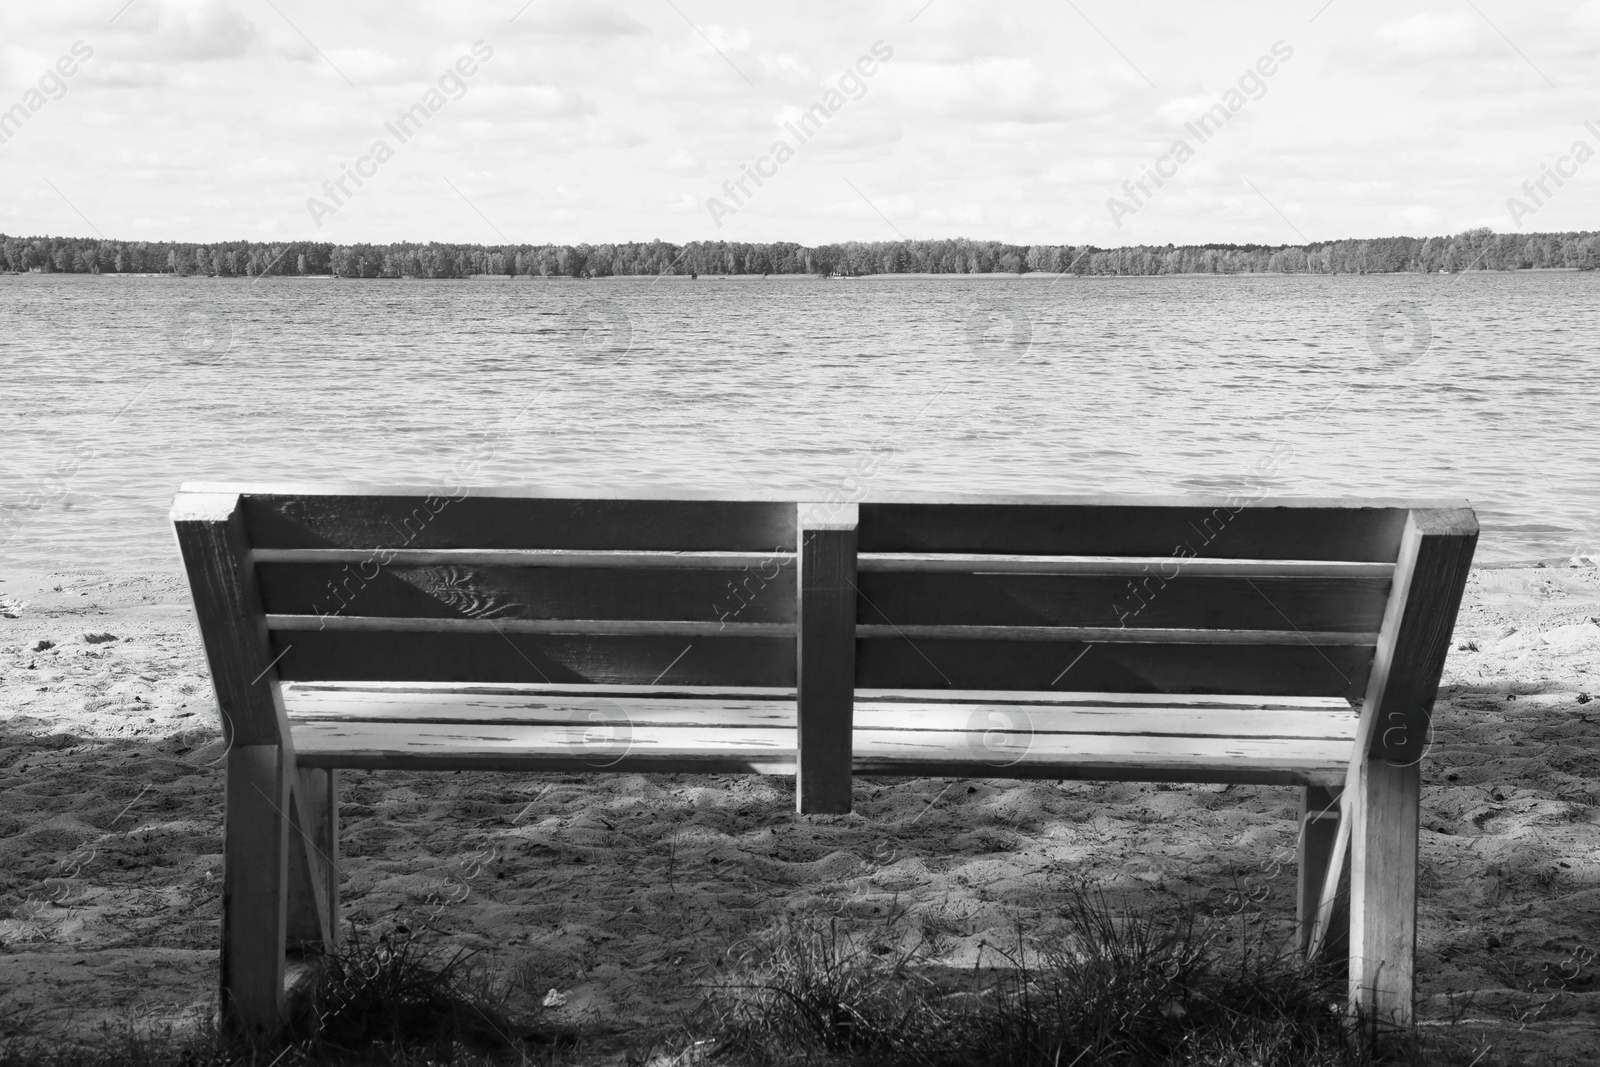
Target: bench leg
1383, 894
254, 889
1319, 829
314, 862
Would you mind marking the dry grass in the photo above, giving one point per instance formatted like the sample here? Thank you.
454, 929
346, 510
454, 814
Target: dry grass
1105, 988
391, 1001
1110, 989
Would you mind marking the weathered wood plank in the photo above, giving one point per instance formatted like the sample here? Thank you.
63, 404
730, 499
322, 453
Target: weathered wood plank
1405, 677
335, 655
615, 627
216, 554
534, 690
1297, 670
1100, 756
928, 747
1113, 635
1234, 529
772, 751
690, 628
1319, 828
255, 888
449, 591
452, 517
657, 491
1092, 699
1335, 724
313, 878
598, 559
1118, 566
1383, 893
537, 691
576, 745
825, 656
1181, 602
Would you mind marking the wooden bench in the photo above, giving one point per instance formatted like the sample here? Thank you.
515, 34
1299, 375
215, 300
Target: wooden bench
1291, 642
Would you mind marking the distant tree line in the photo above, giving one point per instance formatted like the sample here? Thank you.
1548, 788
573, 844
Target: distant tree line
1479, 249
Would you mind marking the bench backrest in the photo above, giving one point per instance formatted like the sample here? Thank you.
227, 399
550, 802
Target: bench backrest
1280, 598
474, 588
1283, 601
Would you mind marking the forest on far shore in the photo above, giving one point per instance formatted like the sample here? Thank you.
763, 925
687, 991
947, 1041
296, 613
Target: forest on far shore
1480, 249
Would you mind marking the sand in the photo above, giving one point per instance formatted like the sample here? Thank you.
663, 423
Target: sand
626, 894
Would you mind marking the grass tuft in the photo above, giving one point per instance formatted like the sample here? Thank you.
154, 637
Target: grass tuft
389, 1001
1127, 989
812, 989
1104, 989
394, 992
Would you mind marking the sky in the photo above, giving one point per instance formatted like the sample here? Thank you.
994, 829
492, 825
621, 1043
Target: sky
564, 122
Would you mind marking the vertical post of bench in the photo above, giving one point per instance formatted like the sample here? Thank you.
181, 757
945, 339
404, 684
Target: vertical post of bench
216, 552
313, 866
825, 656
1385, 780
1319, 830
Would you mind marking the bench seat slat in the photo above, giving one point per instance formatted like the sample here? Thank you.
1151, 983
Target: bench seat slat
529, 728
355, 690
454, 746
1069, 698
366, 706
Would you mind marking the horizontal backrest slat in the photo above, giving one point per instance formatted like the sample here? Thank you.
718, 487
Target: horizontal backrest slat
418, 522
629, 559
345, 655
1303, 669
1201, 601
445, 591
1242, 532
1125, 566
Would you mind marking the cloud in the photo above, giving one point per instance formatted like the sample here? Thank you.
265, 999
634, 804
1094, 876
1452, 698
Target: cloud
994, 90
682, 162
188, 30
514, 104
1431, 35
368, 66
727, 40
577, 20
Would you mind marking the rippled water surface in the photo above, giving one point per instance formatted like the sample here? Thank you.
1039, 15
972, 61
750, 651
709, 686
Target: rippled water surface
116, 389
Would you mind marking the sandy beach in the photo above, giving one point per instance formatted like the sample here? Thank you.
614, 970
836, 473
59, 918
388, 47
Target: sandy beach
626, 893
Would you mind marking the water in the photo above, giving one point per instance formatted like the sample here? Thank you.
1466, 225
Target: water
116, 389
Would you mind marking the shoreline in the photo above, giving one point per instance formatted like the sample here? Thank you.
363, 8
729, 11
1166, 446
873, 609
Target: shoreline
913, 275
